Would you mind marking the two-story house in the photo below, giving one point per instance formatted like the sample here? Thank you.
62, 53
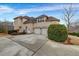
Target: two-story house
33, 25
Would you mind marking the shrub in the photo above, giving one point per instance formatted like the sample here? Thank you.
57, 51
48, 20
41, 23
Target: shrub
74, 33
1, 30
12, 31
57, 32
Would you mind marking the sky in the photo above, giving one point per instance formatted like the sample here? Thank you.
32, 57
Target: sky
9, 11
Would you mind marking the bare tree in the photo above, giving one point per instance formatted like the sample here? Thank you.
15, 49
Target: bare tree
68, 15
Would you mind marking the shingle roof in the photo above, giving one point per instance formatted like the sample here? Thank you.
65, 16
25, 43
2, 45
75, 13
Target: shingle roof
21, 17
41, 16
34, 20
30, 20
49, 18
18, 17
52, 19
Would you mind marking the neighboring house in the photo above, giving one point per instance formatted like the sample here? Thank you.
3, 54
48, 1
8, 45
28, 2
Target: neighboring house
6, 26
33, 25
10, 26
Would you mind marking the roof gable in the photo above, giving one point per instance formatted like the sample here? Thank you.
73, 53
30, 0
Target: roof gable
33, 20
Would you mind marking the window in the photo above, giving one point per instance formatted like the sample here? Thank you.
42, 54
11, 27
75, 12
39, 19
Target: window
20, 27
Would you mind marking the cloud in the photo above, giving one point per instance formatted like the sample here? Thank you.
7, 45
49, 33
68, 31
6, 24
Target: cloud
5, 9
38, 9
22, 11
47, 8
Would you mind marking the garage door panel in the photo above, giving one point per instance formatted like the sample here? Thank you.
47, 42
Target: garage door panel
37, 31
44, 31
40, 31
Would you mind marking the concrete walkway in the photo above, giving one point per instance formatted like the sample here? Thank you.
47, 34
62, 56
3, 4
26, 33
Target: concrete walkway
34, 45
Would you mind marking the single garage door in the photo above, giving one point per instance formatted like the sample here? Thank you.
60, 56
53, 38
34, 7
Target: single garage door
37, 31
44, 32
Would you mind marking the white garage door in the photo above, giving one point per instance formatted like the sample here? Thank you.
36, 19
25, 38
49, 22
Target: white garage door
44, 32
41, 31
37, 31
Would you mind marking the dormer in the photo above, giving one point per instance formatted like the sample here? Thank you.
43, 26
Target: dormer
42, 18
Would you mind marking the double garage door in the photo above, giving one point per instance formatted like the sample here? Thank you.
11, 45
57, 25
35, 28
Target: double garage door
40, 31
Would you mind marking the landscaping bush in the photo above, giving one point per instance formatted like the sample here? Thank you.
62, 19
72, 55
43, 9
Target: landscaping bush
1, 30
57, 32
12, 31
75, 34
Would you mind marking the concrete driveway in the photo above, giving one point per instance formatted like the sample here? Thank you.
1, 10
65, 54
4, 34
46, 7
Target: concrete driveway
34, 45
11, 48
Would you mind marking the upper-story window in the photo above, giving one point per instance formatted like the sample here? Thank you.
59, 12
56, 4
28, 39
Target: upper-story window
40, 20
44, 19
19, 27
37, 20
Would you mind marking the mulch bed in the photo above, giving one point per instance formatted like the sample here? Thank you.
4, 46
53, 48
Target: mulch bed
3, 34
